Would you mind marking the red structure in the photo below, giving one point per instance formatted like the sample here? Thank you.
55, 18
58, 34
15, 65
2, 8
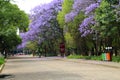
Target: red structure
62, 48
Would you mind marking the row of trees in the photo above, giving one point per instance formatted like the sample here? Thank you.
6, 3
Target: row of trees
98, 24
11, 18
44, 33
85, 26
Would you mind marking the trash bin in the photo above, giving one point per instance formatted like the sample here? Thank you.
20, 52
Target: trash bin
103, 56
108, 56
108, 53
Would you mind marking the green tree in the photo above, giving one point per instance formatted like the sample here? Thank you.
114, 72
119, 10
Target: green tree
66, 8
11, 18
108, 23
81, 44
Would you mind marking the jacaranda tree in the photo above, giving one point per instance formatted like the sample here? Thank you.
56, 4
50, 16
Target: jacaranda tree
44, 26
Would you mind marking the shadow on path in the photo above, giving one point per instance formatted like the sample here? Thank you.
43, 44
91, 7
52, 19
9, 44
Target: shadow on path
6, 76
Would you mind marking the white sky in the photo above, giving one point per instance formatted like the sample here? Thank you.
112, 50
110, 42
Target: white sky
27, 5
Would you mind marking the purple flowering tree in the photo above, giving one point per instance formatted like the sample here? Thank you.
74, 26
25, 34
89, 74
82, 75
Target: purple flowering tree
78, 6
81, 19
85, 26
44, 25
88, 7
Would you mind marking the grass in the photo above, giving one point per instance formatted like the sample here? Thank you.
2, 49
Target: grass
79, 57
99, 58
2, 60
116, 58
75, 56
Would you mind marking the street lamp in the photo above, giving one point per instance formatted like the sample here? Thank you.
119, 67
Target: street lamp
95, 38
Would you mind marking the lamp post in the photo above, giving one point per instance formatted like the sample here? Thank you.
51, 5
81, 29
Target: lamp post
95, 38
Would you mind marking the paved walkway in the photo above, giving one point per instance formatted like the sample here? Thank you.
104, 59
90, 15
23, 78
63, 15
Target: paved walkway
57, 68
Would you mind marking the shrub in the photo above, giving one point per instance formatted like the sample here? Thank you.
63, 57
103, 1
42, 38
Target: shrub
96, 58
116, 58
2, 60
74, 56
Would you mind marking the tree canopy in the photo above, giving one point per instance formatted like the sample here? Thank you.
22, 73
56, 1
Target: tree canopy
88, 26
11, 18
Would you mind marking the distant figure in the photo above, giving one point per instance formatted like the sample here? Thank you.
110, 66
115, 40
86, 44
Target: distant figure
62, 49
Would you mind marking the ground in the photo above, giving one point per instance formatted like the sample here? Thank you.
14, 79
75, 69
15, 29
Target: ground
57, 68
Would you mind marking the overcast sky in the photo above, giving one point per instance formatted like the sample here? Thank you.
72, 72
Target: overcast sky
27, 5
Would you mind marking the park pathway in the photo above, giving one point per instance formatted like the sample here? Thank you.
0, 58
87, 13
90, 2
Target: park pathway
57, 68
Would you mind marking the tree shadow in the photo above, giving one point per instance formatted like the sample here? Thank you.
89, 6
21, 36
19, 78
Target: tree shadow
4, 76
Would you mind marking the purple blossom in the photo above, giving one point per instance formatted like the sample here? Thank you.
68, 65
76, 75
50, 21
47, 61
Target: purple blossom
22, 45
78, 5
99, 1
41, 21
70, 17
85, 25
91, 8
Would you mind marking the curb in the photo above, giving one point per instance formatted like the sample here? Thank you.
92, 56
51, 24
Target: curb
1, 67
101, 63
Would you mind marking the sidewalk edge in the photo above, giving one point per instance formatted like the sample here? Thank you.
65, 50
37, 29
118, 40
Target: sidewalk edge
102, 63
1, 67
